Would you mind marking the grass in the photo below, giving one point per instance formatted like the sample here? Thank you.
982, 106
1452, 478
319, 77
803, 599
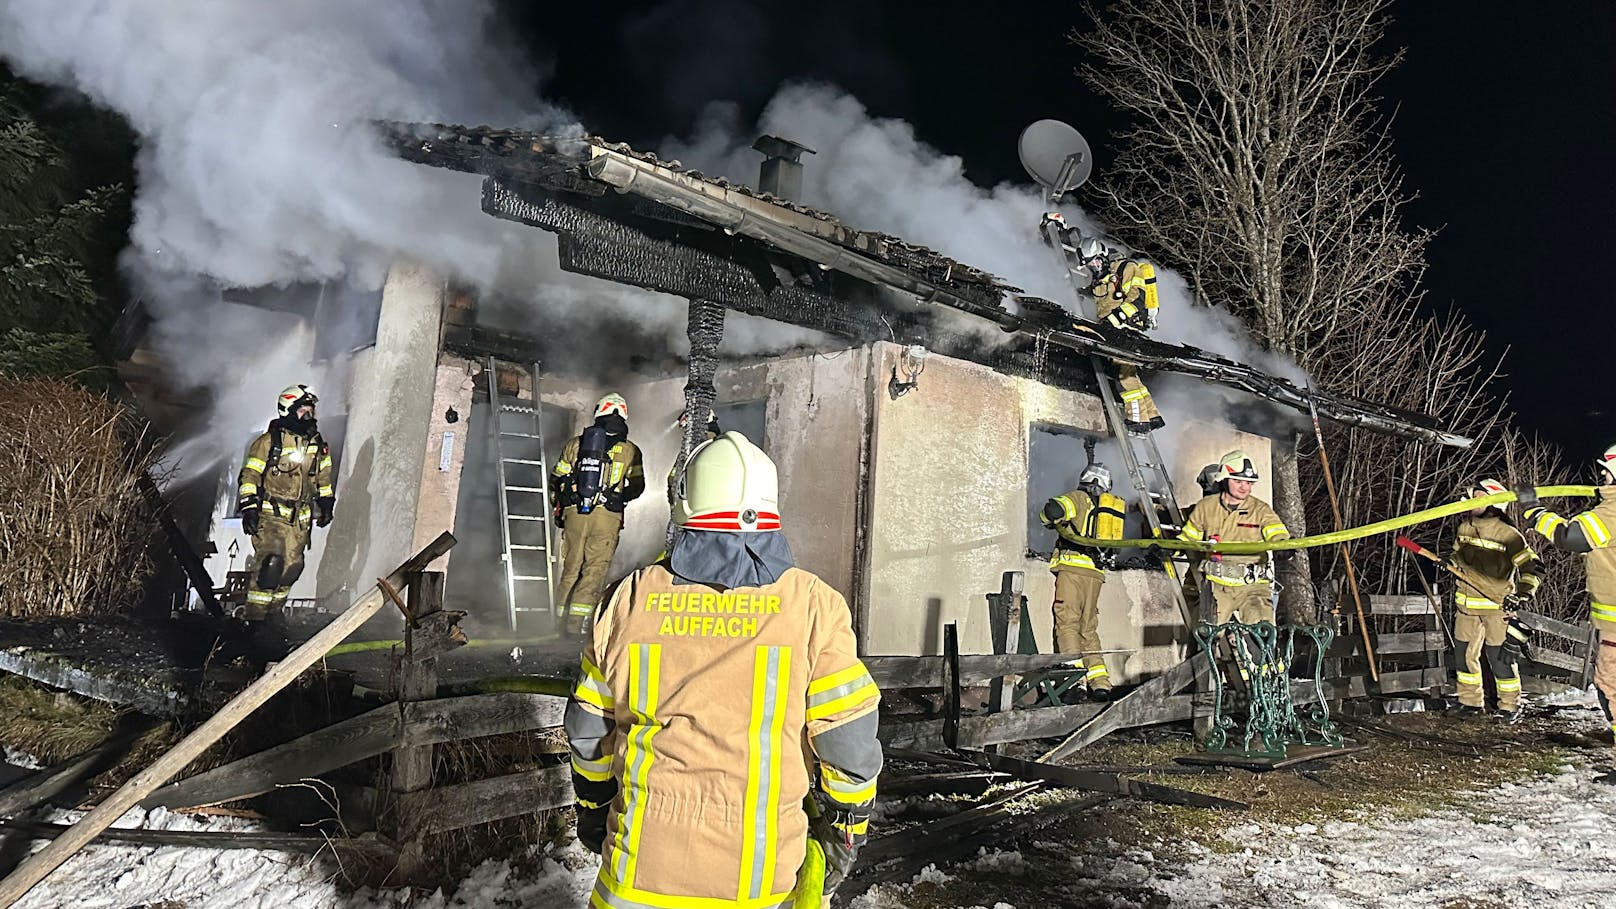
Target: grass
51, 726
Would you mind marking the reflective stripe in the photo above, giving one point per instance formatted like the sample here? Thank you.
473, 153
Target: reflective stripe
644, 666
1097, 672
254, 464
1068, 507
761, 812
326, 492
580, 609
1135, 394
595, 771
585, 803
857, 828
1602, 612
1067, 558
1593, 528
1470, 602
1524, 556
1190, 532
840, 690
1227, 582
1509, 684
842, 789
1472, 679
325, 463
1480, 543
259, 597
1273, 530
1531, 581
1547, 523
248, 489
592, 688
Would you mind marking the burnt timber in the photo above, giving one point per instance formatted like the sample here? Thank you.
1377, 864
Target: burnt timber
629, 217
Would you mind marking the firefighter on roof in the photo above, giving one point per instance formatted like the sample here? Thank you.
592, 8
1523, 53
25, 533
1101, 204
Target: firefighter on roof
1497, 573
1241, 585
1125, 299
599, 473
286, 488
1590, 532
1090, 511
722, 728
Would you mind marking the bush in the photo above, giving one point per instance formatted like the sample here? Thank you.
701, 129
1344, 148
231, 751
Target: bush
75, 530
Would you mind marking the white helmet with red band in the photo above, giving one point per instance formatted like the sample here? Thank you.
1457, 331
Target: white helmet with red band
729, 485
1607, 463
612, 403
292, 397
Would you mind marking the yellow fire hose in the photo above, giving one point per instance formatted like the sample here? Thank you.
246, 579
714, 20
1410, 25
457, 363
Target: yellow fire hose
1343, 536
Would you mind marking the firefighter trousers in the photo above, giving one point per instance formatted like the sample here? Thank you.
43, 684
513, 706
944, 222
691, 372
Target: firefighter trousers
1077, 621
1605, 674
1477, 635
1251, 603
588, 542
267, 588
1137, 404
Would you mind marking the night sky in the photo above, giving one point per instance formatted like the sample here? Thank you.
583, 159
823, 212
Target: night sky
1505, 124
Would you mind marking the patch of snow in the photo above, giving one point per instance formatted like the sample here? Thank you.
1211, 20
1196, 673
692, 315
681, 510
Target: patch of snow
1570, 697
22, 759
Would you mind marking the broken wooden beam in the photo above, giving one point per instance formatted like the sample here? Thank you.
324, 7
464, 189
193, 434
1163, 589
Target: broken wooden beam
1110, 783
1150, 703
895, 672
205, 839
33, 869
446, 808
40, 787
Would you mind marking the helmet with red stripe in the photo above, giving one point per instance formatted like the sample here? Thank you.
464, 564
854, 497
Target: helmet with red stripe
612, 403
1607, 463
729, 485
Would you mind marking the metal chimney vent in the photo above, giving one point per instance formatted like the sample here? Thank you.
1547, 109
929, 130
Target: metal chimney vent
781, 171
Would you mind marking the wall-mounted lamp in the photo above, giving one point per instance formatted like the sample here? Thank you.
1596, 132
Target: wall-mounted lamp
912, 362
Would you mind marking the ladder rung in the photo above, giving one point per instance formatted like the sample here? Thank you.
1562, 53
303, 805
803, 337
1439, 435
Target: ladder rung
520, 435
529, 577
524, 489
529, 609
526, 517
528, 461
526, 546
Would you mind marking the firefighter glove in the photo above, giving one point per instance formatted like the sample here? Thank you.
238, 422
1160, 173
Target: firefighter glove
250, 520
1152, 321
1526, 495
592, 828
1284, 555
841, 832
1517, 601
1517, 639
326, 506
1532, 514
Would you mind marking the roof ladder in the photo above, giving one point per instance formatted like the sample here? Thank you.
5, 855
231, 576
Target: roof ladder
527, 537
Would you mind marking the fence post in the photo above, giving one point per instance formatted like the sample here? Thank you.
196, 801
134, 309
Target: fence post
411, 766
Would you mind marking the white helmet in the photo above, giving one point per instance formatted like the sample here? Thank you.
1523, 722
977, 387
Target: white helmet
729, 484
1485, 486
1607, 463
1092, 248
1096, 475
612, 403
1236, 465
292, 397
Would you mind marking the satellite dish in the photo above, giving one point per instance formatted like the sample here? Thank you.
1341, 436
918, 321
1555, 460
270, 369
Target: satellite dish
1056, 155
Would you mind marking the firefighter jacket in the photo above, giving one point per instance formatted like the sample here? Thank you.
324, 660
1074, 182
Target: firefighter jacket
1588, 532
1251, 521
287, 469
699, 716
1126, 296
623, 482
1493, 561
1075, 515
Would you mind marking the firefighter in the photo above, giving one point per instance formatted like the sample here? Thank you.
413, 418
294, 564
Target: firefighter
1090, 511
1497, 573
598, 474
1241, 586
722, 727
1590, 532
1125, 299
287, 486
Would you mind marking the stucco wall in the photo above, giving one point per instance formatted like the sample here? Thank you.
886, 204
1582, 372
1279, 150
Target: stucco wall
453, 384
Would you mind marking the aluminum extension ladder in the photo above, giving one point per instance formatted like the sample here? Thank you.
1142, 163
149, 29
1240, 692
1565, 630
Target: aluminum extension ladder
527, 537
1141, 470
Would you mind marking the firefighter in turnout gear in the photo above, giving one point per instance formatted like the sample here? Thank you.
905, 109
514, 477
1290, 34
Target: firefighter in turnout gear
599, 473
1125, 299
1591, 532
1090, 511
1497, 573
723, 728
1240, 585
286, 488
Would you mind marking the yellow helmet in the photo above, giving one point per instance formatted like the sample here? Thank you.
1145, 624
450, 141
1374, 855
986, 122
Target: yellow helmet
292, 397
1237, 465
1607, 463
612, 403
729, 484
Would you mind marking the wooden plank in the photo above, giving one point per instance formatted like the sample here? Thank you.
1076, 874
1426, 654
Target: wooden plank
1111, 783
205, 839
195, 570
1294, 756
1359, 686
895, 672
1563, 662
968, 782
1400, 604
467, 804
1555, 627
1133, 709
1401, 642
476, 715
34, 868
36, 789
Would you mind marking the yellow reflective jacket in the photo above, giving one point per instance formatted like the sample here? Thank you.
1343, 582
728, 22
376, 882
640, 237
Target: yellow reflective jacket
1494, 562
1126, 293
1252, 521
1075, 514
286, 490
698, 716
1590, 532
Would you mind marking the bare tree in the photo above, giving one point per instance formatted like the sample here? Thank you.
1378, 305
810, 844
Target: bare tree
1258, 165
